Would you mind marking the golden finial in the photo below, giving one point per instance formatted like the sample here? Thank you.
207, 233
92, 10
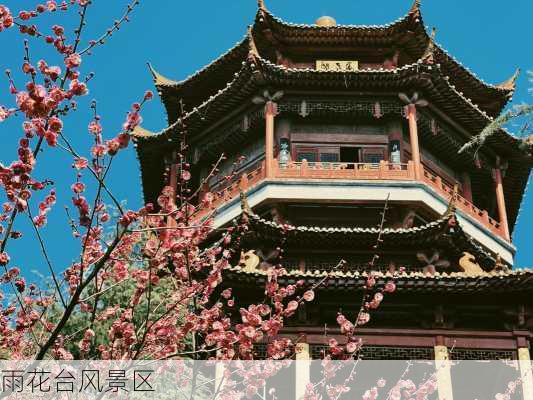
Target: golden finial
326, 21
510, 84
261, 5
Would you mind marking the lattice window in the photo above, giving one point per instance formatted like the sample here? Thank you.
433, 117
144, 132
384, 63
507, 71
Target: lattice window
383, 352
328, 263
482, 354
329, 157
295, 107
318, 351
309, 154
397, 353
373, 155
308, 107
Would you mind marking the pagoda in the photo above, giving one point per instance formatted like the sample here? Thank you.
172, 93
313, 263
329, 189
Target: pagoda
339, 125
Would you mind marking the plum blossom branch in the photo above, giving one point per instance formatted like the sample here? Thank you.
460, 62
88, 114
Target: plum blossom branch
78, 160
47, 258
73, 302
147, 251
116, 26
39, 94
371, 299
101, 292
208, 177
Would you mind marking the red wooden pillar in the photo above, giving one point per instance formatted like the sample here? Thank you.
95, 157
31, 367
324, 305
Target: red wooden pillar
413, 138
500, 201
270, 113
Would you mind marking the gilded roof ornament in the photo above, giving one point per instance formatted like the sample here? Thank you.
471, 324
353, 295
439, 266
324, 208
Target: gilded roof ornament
469, 265
510, 84
261, 5
160, 80
326, 21
249, 261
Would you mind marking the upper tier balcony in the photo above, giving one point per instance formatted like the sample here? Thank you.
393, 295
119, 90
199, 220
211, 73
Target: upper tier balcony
331, 171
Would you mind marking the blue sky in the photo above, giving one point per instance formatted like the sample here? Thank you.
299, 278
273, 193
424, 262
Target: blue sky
179, 37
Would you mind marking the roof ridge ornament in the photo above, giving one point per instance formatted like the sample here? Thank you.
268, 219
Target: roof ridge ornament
261, 5
415, 8
469, 265
510, 84
160, 80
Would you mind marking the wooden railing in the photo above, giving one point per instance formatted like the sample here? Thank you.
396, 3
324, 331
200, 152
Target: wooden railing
447, 191
348, 171
226, 191
336, 170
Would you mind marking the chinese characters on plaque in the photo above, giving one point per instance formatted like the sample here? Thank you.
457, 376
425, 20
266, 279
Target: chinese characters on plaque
337, 65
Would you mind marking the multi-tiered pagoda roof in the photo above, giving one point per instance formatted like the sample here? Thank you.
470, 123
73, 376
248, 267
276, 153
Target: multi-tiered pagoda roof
398, 57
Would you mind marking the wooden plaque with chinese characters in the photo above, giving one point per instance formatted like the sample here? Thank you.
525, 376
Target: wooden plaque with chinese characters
337, 65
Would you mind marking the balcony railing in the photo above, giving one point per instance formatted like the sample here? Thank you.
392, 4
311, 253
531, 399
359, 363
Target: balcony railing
339, 170
461, 203
384, 171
